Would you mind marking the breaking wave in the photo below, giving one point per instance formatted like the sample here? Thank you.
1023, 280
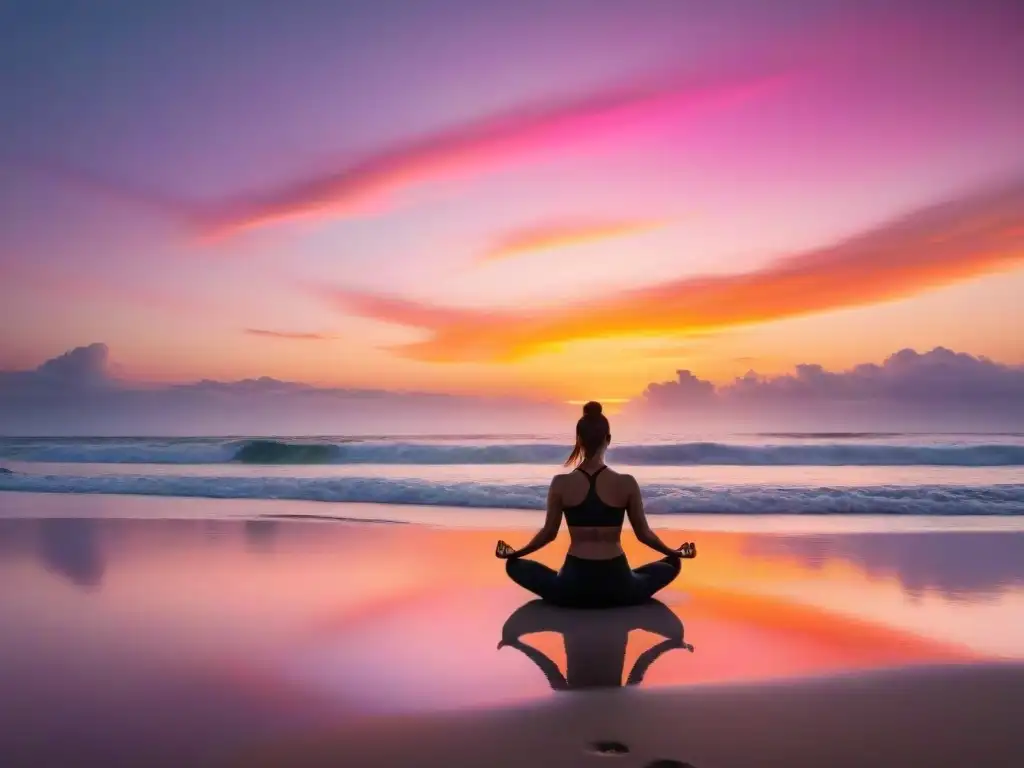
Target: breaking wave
274, 452
1002, 499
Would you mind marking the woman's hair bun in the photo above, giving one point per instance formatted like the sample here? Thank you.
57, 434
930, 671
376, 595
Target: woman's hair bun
592, 409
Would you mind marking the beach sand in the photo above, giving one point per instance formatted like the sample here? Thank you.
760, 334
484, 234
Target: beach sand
936, 716
132, 638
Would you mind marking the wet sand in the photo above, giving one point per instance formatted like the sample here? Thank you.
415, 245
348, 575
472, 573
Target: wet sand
291, 642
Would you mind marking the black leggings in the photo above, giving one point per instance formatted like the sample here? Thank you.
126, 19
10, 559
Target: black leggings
583, 583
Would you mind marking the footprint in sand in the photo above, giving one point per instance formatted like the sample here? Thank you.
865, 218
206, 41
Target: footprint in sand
609, 748
612, 748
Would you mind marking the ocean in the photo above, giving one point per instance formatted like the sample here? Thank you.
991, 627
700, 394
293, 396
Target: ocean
767, 474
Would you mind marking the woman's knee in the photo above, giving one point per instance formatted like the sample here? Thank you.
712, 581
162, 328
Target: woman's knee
663, 573
512, 568
521, 570
667, 563
534, 577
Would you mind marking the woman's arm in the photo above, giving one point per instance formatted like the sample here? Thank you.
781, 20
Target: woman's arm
651, 655
551, 671
638, 519
549, 530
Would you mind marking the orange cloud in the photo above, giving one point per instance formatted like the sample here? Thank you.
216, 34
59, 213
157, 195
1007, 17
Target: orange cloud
932, 247
291, 335
566, 234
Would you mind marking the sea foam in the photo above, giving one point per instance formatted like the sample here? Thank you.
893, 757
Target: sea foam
1001, 499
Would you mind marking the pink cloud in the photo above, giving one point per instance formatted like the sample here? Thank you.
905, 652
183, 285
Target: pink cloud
590, 123
288, 335
490, 145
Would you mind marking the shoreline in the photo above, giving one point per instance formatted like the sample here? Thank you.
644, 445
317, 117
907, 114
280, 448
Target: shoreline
40, 505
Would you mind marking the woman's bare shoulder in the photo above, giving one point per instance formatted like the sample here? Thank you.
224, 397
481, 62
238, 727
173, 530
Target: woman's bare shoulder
622, 479
626, 481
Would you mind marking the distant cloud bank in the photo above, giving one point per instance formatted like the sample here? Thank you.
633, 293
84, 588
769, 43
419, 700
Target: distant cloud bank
77, 393
936, 388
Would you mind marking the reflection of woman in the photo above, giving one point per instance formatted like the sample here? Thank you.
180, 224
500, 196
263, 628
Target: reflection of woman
595, 643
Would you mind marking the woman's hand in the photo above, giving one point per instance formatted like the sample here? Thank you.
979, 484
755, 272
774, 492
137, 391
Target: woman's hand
687, 550
503, 551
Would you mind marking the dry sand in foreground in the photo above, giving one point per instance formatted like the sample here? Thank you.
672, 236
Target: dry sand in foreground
939, 716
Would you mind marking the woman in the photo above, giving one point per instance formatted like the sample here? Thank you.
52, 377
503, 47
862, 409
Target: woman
594, 499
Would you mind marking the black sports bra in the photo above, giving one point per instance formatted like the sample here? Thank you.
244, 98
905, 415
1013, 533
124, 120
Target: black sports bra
592, 511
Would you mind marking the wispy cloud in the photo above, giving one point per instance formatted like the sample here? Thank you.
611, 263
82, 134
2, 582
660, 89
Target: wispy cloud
598, 120
289, 335
611, 117
932, 247
186, 214
564, 234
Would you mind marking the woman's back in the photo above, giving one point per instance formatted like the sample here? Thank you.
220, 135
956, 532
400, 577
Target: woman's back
594, 502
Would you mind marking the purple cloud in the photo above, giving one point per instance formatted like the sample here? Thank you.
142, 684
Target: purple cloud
940, 386
77, 393
937, 390
80, 368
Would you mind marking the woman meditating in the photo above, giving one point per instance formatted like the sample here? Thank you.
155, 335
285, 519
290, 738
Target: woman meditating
595, 500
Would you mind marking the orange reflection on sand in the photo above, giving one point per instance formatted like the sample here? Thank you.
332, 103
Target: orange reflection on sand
466, 556
442, 637
747, 638
416, 613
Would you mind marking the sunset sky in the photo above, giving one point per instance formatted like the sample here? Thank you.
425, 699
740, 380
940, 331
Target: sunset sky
563, 200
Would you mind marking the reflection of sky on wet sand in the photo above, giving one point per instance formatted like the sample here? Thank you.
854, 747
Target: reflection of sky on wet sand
971, 565
967, 587
237, 627
69, 547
